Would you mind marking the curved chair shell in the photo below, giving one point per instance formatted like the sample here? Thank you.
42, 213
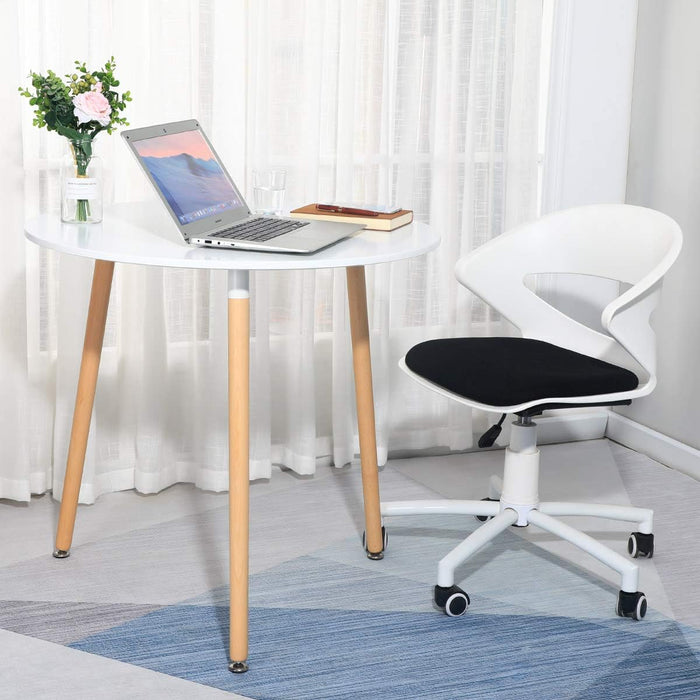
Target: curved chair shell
626, 243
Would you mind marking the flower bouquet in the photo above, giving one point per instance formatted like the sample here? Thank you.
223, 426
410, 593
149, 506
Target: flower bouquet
79, 108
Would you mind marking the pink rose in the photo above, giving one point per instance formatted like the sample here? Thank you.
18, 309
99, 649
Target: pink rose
92, 106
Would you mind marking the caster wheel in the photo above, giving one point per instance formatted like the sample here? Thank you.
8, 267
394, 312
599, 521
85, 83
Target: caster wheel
484, 518
640, 545
452, 599
385, 543
632, 605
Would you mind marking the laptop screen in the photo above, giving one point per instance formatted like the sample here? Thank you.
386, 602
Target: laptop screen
188, 175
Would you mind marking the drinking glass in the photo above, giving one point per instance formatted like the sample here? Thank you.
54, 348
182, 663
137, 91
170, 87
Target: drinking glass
268, 190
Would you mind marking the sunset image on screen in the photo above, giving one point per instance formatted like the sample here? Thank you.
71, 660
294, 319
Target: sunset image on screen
188, 175
190, 142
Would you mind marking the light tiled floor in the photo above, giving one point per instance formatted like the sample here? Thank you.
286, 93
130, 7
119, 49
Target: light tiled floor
152, 551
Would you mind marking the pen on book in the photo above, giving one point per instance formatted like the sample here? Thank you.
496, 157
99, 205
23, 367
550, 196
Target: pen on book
346, 210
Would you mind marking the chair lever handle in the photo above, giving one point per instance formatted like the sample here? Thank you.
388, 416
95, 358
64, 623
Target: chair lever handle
490, 436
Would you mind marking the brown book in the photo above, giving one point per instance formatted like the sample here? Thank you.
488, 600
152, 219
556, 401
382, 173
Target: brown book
378, 222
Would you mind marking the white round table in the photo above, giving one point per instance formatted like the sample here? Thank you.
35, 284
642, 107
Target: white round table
142, 233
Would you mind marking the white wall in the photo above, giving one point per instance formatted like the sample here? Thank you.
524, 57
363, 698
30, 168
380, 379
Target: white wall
589, 102
588, 119
664, 173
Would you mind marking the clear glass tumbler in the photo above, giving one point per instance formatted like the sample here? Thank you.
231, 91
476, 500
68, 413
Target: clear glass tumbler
268, 190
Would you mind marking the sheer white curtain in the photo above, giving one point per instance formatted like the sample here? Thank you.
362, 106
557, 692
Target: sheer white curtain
429, 104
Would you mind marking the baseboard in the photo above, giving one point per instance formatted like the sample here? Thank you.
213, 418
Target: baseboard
656, 445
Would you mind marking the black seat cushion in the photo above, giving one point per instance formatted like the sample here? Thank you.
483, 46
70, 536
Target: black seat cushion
513, 371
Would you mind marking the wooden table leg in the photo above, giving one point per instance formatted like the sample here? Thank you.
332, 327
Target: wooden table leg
238, 407
359, 329
84, 400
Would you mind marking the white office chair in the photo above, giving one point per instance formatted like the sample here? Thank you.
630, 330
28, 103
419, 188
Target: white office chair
557, 363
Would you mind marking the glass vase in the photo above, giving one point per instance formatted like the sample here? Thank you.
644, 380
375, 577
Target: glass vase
81, 183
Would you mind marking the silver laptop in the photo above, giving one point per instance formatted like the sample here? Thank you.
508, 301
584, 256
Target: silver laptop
205, 203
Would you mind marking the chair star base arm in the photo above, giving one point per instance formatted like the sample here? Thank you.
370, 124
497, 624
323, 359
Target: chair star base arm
617, 562
514, 501
470, 546
631, 514
500, 521
444, 507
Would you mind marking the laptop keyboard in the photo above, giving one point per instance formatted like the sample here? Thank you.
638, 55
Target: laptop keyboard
260, 229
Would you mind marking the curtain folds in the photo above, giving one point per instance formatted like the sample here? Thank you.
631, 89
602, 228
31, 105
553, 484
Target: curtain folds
429, 104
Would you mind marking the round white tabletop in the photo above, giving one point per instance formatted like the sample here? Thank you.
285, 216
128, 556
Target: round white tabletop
141, 233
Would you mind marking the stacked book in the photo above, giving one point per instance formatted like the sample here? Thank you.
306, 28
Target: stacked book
375, 218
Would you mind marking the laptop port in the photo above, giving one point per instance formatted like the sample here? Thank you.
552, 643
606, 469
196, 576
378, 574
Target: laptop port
206, 240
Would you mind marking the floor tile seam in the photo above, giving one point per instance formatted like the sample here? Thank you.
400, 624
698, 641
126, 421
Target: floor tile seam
140, 497
34, 636
324, 559
295, 479
79, 602
119, 534
157, 522
93, 540
123, 532
255, 569
159, 604
412, 479
382, 575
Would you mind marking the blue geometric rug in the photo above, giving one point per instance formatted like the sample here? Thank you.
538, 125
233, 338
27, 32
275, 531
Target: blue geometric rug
335, 647
311, 654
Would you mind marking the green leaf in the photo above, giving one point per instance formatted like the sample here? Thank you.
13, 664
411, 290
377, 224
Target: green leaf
66, 130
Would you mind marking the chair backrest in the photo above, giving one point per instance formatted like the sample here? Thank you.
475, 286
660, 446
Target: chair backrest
621, 242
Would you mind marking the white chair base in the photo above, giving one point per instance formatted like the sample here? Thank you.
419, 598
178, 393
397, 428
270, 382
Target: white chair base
516, 503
